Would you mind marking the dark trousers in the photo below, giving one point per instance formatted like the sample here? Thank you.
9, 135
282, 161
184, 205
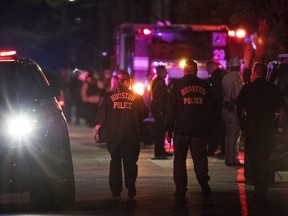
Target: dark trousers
217, 138
90, 113
159, 134
198, 153
259, 162
258, 148
128, 153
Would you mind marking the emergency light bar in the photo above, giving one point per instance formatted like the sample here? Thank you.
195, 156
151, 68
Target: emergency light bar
240, 33
7, 53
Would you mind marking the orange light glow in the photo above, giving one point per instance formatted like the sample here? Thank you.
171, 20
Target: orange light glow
240, 33
231, 33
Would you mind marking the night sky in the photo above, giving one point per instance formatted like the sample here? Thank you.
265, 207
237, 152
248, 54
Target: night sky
61, 34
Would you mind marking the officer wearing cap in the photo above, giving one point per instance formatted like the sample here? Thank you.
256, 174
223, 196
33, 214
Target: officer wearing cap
159, 91
257, 104
187, 119
231, 86
120, 114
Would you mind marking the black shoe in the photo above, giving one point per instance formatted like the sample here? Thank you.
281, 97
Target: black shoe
131, 192
168, 154
206, 190
237, 163
179, 195
160, 157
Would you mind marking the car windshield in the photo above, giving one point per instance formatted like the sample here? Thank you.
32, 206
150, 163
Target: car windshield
17, 82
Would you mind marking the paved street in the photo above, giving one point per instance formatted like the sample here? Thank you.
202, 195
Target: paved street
155, 187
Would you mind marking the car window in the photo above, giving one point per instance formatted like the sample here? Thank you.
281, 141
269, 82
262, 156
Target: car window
17, 81
38, 74
279, 77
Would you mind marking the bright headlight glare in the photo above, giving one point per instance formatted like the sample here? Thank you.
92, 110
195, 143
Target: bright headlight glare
19, 126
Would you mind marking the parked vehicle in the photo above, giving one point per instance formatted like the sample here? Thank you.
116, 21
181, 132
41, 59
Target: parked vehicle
278, 75
35, 151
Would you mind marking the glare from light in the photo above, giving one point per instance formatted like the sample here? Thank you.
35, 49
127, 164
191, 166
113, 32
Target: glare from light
240, 33
147, 31
8, 53
139, 88
20, 125
182, 63
231, 33
148, 87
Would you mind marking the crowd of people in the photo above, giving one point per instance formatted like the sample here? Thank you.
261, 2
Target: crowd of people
206, 116
81, 92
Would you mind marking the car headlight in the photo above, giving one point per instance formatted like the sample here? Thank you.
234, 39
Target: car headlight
19, 126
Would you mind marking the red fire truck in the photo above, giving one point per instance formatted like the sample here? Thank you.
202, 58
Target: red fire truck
140, 48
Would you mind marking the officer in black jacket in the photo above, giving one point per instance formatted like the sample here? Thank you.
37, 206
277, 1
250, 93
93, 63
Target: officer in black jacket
217, 138
188, 114
159, 100
120, 114
257, 104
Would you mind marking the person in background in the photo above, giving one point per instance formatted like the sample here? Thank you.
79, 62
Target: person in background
121, 114
188, 121
217, 138
65, 86
159, 99
107, 75
257, 104
76, 85
231, 86
91, 95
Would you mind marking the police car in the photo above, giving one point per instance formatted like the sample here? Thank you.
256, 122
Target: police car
35, 151
278, 75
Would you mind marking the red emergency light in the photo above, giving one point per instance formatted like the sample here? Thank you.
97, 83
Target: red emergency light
239, 33
7, 53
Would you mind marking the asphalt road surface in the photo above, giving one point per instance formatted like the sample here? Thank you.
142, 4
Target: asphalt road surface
155, 187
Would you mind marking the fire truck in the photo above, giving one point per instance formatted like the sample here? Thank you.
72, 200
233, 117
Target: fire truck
140, 48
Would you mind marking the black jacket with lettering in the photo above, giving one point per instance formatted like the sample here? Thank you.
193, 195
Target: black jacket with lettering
190, 107
121, 115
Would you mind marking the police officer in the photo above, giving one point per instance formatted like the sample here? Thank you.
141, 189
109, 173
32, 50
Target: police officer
120, 114
159, 99
217, 138
187, 119
257, 104
231, 86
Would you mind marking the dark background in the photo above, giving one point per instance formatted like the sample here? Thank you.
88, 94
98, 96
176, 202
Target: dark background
67, 34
